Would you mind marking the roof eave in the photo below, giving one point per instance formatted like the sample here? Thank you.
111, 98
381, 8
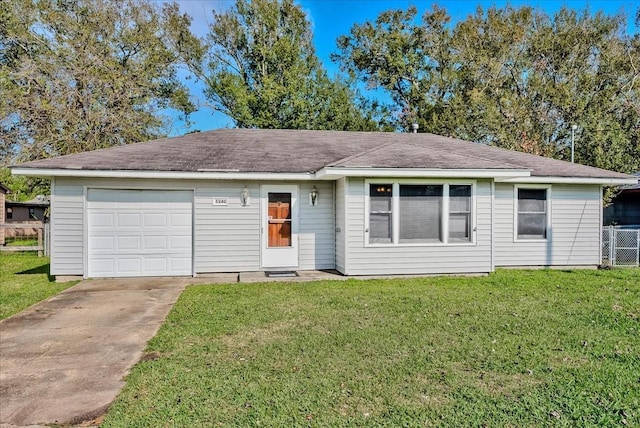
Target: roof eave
178, 175
603, 181
27, 204
330, 173
333, 173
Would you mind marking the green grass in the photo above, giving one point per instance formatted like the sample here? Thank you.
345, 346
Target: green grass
24, 280
516, 348
22, 242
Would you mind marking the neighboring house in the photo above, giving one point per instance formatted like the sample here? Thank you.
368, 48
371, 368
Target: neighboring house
3, 191
624, 209
362, 203
25, 211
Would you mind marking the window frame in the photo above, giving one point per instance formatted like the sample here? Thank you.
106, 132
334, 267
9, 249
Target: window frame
516, 211
395, 207
390, 212
468, 212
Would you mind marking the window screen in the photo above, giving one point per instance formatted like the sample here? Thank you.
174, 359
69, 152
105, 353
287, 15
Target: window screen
380, 213
420, 213
459, 213
532, 213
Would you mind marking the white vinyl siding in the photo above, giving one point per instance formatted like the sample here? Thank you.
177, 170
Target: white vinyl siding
364, 259
227, 237
573, 236
332, 233
67, 227
340, 237
316, 236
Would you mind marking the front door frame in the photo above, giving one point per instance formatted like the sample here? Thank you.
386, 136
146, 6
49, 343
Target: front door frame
279, 257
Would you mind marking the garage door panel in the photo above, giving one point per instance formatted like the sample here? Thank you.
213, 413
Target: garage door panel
128, 242
158, 242
178, 219
130, 264
180, 242
128, 220
155, 265
180, 264
154, 220
101, 220
139, 233
102, 266
101, 243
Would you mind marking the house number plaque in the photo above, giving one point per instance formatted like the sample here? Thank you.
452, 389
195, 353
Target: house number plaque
221, 202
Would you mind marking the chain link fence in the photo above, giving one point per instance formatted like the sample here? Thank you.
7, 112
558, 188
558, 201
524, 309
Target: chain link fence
620, 246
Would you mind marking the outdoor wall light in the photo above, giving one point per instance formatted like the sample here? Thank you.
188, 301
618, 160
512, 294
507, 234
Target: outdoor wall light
314, 196
244, 196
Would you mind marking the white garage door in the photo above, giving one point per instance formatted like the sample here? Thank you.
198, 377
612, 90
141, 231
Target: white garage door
139, 233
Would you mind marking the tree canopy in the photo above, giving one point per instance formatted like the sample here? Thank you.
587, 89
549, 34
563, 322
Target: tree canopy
79, 75
263, 72
513, 77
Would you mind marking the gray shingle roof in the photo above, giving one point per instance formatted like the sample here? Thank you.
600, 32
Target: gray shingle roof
294, 151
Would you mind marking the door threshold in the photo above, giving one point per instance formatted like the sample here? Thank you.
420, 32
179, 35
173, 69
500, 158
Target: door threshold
281, 273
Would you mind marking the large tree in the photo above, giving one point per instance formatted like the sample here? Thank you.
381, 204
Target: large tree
513, 77
533, 76
413, 63
78, 75
263, 72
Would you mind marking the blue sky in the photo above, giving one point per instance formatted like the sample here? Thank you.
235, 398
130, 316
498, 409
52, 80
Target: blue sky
333, 18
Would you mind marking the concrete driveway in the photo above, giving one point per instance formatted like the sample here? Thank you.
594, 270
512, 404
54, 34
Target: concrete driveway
64, 359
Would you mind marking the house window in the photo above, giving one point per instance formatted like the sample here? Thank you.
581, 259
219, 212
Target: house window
380, 213
459, 213
532, 213
32, 213
9, 213
408, 213
420, 213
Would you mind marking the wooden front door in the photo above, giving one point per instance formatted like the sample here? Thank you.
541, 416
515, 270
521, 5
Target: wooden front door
280, 226
279, 219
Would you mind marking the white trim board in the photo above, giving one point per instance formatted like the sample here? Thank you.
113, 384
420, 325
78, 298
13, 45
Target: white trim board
329, 173
181, 175
337, 172
570, 180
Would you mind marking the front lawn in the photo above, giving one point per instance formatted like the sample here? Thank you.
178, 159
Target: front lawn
516, 348
24, 280
22, 242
